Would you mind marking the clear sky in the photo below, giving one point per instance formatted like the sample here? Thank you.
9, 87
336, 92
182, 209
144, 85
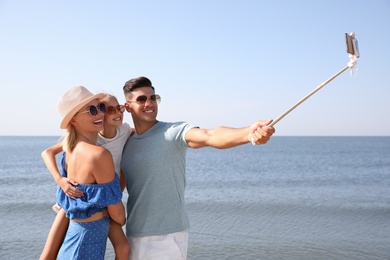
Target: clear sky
214, 62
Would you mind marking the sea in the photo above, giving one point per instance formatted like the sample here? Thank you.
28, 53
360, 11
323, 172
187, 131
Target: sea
293, 198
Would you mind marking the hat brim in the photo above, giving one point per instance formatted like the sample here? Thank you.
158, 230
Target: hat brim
65, 121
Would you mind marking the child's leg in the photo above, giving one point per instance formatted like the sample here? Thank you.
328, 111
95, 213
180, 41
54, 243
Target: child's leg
55, 237
119, 241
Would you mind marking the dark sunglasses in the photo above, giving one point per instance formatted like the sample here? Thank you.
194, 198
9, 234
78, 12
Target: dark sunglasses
141, 100
93, 110
112, 110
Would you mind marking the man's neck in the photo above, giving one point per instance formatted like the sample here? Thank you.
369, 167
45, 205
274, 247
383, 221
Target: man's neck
141, 128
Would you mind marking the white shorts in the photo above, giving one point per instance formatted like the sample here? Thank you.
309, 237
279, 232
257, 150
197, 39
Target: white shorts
172, 246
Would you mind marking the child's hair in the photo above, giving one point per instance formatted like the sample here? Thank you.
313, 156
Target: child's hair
108, 96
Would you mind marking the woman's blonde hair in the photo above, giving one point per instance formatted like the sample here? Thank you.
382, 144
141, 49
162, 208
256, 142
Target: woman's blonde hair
69, 141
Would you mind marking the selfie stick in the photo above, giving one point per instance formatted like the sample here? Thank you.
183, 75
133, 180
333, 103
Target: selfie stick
352, 50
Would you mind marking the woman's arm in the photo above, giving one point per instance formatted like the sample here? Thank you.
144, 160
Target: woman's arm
66, 184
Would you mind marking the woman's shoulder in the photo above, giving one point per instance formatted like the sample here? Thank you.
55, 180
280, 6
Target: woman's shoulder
100, 153
93, 148
94, 152
102, 165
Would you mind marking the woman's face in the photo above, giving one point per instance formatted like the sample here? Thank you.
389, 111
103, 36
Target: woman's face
90, 117
114, 112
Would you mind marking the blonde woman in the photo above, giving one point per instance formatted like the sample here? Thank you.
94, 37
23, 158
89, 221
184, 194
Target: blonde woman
91, 168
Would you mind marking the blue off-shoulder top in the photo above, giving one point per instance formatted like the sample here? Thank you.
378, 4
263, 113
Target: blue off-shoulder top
96, 197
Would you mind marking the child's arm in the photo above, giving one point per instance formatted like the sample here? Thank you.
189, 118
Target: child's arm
55, 237
119, 241
122, 181
66, 184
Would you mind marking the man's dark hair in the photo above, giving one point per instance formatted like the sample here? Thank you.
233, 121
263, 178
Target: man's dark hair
135, 83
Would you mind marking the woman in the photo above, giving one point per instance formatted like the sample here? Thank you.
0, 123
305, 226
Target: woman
113, 137
92, 169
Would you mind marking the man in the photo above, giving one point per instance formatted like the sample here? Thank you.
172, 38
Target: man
154, 162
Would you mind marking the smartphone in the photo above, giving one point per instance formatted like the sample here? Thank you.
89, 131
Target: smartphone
352, 44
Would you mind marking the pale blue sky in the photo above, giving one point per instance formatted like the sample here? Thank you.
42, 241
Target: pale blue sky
214, 62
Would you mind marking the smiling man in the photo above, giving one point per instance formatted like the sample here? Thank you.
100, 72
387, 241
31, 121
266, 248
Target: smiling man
154, 164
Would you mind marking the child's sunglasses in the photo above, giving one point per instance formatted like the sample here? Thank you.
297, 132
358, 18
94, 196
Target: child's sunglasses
93, 110
112, 110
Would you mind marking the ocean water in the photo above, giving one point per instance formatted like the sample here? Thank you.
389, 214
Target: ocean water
293, 198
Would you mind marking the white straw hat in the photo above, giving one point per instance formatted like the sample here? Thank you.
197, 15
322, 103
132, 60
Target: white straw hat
72, 101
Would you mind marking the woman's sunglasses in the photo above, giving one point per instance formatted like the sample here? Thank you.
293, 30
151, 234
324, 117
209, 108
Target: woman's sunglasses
93, 110
112, 110
141, 100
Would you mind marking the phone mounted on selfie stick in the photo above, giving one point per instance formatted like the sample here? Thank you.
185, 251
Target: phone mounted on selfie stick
353, 53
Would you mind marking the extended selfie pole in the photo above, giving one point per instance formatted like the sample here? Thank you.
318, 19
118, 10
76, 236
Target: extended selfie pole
352, 50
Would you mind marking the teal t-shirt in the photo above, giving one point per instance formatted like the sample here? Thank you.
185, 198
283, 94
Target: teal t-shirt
154, 165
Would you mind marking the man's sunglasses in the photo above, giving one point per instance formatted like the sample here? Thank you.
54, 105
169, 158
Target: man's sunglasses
141, 100
112, 110
93, 110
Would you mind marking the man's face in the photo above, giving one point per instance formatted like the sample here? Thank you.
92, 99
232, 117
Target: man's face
141, 105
